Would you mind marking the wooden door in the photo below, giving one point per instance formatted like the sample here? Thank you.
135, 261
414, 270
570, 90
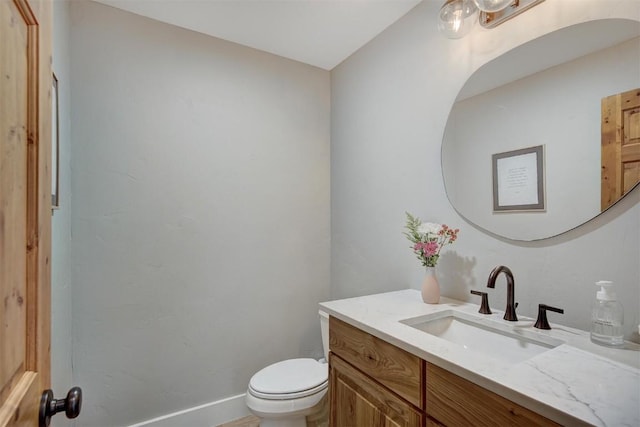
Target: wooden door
25, 208
620, 145
357, 400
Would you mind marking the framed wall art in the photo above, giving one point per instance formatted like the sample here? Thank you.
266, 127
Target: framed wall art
55, 146
518, 180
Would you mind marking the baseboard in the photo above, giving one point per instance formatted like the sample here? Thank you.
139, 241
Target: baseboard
207, 415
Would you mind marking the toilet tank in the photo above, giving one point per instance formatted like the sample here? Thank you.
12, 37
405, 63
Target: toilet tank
324, 330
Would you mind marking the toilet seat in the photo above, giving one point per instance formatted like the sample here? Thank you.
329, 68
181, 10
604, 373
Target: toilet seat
290, 379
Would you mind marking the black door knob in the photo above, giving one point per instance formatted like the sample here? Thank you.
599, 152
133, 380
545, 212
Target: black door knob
50, 406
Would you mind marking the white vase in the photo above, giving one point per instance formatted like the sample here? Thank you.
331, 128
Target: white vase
430, 287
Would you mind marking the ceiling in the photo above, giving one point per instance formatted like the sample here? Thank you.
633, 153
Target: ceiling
321, 33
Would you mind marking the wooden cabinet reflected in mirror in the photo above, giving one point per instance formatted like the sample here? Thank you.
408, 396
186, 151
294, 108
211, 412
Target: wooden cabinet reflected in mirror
620, 145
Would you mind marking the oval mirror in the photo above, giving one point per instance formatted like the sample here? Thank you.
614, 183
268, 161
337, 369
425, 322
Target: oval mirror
521, 151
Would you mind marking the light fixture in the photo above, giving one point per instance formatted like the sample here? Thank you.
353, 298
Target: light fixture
457, 18
513, 8
492, 5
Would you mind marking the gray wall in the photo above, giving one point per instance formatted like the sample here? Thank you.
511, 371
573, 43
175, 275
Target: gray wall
200, 204
200, 214
389, 107
61, 286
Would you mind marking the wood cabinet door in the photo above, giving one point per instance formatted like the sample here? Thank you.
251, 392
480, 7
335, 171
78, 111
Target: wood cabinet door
356, 400
397, 370
620, 145
25, 208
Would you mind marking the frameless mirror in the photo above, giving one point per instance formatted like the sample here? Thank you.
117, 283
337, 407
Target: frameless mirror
546, 93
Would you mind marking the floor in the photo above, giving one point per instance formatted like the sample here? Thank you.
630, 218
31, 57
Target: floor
250, 421
321, 419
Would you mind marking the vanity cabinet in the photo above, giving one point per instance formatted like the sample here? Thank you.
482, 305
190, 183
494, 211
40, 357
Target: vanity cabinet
371, 382
357, 400
374, 383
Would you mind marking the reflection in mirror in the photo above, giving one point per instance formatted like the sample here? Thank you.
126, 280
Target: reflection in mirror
546, 92
620, 157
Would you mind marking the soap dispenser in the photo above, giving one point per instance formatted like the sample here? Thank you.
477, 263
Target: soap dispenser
606, 316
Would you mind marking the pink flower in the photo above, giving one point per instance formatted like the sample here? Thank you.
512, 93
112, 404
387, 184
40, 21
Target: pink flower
429, 238
430, 248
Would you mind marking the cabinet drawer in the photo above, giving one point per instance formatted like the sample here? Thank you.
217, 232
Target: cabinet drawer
356, 400
454, 401
399, 371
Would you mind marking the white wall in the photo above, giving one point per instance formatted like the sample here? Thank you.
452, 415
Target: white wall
390, 103
61, 287
558, 108
200, 214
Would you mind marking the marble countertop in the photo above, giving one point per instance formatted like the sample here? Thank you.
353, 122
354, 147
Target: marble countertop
577, 382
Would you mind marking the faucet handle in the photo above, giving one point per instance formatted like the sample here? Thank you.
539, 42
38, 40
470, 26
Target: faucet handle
542, 322
484, 306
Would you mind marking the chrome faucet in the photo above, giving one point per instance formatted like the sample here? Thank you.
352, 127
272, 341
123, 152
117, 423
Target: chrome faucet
510, 312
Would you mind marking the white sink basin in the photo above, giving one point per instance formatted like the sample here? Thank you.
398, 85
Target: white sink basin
509, 343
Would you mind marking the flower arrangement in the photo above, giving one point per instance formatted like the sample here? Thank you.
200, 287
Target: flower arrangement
428, 239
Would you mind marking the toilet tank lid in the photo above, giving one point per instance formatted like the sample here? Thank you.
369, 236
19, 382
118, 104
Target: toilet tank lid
290, 376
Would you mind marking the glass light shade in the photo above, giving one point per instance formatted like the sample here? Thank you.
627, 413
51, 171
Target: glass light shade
492, 5
457, 18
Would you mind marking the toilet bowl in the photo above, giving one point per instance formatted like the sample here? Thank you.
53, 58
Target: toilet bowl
285, 393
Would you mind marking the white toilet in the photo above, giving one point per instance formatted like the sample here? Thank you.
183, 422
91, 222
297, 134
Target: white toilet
285, 393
